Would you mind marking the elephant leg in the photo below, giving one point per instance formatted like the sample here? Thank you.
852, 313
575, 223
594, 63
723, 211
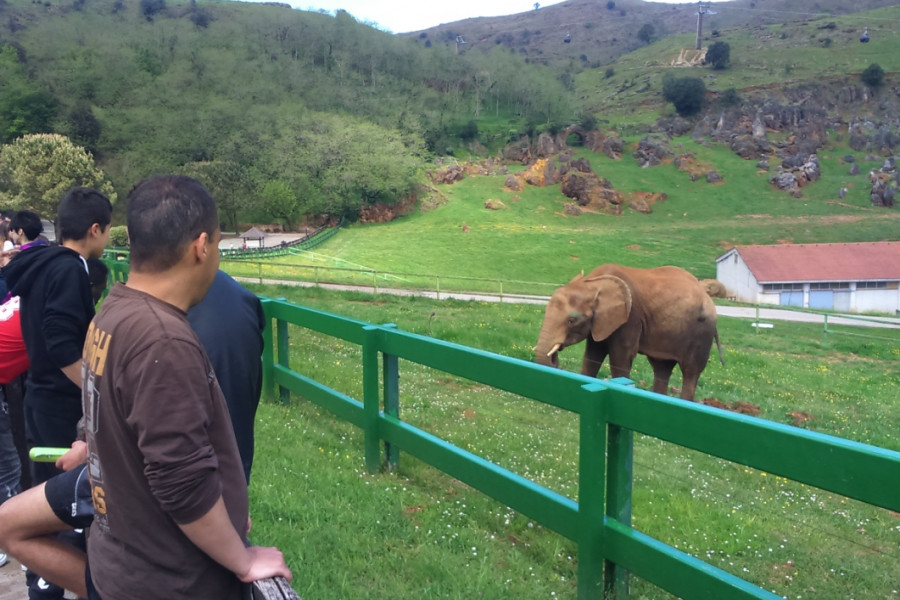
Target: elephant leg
594, 355
620, 363
690, 378
662, 372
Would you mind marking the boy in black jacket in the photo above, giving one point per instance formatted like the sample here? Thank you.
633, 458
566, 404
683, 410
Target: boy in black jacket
56, 308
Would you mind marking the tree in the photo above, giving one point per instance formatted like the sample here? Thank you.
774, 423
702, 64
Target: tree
645, 34
686, 93
37, 170
230, 183
24, 107
149, 8
280, 201
719, 55
873, 76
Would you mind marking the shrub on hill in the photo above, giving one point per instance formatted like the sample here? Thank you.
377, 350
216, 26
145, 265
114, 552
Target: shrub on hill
686, 93
719, 55
873, 76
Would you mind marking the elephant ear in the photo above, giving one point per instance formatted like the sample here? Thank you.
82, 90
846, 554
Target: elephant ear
612, 305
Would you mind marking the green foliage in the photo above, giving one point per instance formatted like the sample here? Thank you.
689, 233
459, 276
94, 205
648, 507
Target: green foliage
719, 55
24, 106
873, 76
686, 93
413, 531
230, 183
730, 97
150, 8
646, 32
37, 170
281, 201
609, 72
610, 5
118, 236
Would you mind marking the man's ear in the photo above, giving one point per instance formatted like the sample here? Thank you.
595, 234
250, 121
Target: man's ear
200, 246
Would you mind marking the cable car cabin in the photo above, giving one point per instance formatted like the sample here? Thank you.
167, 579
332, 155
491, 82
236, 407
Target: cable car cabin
567, 39
864, 37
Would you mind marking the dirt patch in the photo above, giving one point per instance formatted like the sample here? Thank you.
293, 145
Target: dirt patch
800, 418
744, 408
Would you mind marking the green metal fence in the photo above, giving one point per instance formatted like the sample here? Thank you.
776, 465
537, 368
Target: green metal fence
598, 521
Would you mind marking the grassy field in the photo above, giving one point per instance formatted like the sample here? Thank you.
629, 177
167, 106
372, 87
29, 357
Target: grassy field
419, 534
532, 240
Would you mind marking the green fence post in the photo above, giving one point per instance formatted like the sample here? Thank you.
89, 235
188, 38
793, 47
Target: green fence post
391, 374
371, 399
591, 492
268, 360
284, 356
618, 496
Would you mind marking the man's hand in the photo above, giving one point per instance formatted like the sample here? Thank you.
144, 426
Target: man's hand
265, 562
74, 457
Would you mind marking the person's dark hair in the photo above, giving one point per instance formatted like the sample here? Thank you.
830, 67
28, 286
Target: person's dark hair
79, 209
98, 274
164, 215
29, 222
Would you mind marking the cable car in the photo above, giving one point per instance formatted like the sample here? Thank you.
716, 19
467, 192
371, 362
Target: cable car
864, 37
568, 38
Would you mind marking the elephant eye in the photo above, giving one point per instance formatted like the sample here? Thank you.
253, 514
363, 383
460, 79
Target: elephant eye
574, 319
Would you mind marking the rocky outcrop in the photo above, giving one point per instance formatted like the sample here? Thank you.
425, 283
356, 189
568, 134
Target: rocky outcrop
884, 187
588, 189
652, 150
448, 174
610, 144
795, 173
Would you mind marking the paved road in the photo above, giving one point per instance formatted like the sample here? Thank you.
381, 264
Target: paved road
765, 315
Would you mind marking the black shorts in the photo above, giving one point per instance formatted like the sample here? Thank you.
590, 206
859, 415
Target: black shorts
69, 496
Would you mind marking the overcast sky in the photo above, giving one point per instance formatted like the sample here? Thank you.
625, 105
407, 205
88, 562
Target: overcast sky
399, 16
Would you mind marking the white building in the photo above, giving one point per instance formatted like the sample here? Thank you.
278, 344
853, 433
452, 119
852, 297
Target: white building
859, 277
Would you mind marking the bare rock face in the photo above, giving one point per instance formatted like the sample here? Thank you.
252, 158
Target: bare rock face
652, 150
795, 173
610, 144
492, 204
884, 187
514, 183
448, 174
518, 152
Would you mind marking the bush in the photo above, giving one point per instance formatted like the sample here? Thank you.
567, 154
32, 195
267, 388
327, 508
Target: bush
686, 93
719, 55
151, 7
645, 34
730, 97
609, 72
873, 76
118, 236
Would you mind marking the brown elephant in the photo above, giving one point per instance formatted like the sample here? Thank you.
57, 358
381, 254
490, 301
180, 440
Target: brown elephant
662, 313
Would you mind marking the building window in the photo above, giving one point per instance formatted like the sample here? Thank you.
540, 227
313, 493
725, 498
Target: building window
830, 285
781, 287
873, 285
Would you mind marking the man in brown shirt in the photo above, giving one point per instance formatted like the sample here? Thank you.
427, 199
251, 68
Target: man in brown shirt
170, 497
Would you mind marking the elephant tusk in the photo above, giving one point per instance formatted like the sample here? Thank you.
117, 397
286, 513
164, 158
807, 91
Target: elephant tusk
554, 350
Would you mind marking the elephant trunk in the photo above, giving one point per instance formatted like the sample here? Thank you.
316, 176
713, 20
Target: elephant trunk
547, 350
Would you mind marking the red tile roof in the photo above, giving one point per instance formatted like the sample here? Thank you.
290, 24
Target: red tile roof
871, 261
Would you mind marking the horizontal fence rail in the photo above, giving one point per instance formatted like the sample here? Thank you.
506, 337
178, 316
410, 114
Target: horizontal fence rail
609, 412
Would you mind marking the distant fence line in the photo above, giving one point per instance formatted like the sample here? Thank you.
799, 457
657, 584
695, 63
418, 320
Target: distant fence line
307, 242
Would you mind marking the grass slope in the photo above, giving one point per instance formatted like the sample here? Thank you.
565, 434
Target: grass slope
532, 240
419, 534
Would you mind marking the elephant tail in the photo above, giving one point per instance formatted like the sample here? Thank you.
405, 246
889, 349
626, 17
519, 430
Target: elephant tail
719, 346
